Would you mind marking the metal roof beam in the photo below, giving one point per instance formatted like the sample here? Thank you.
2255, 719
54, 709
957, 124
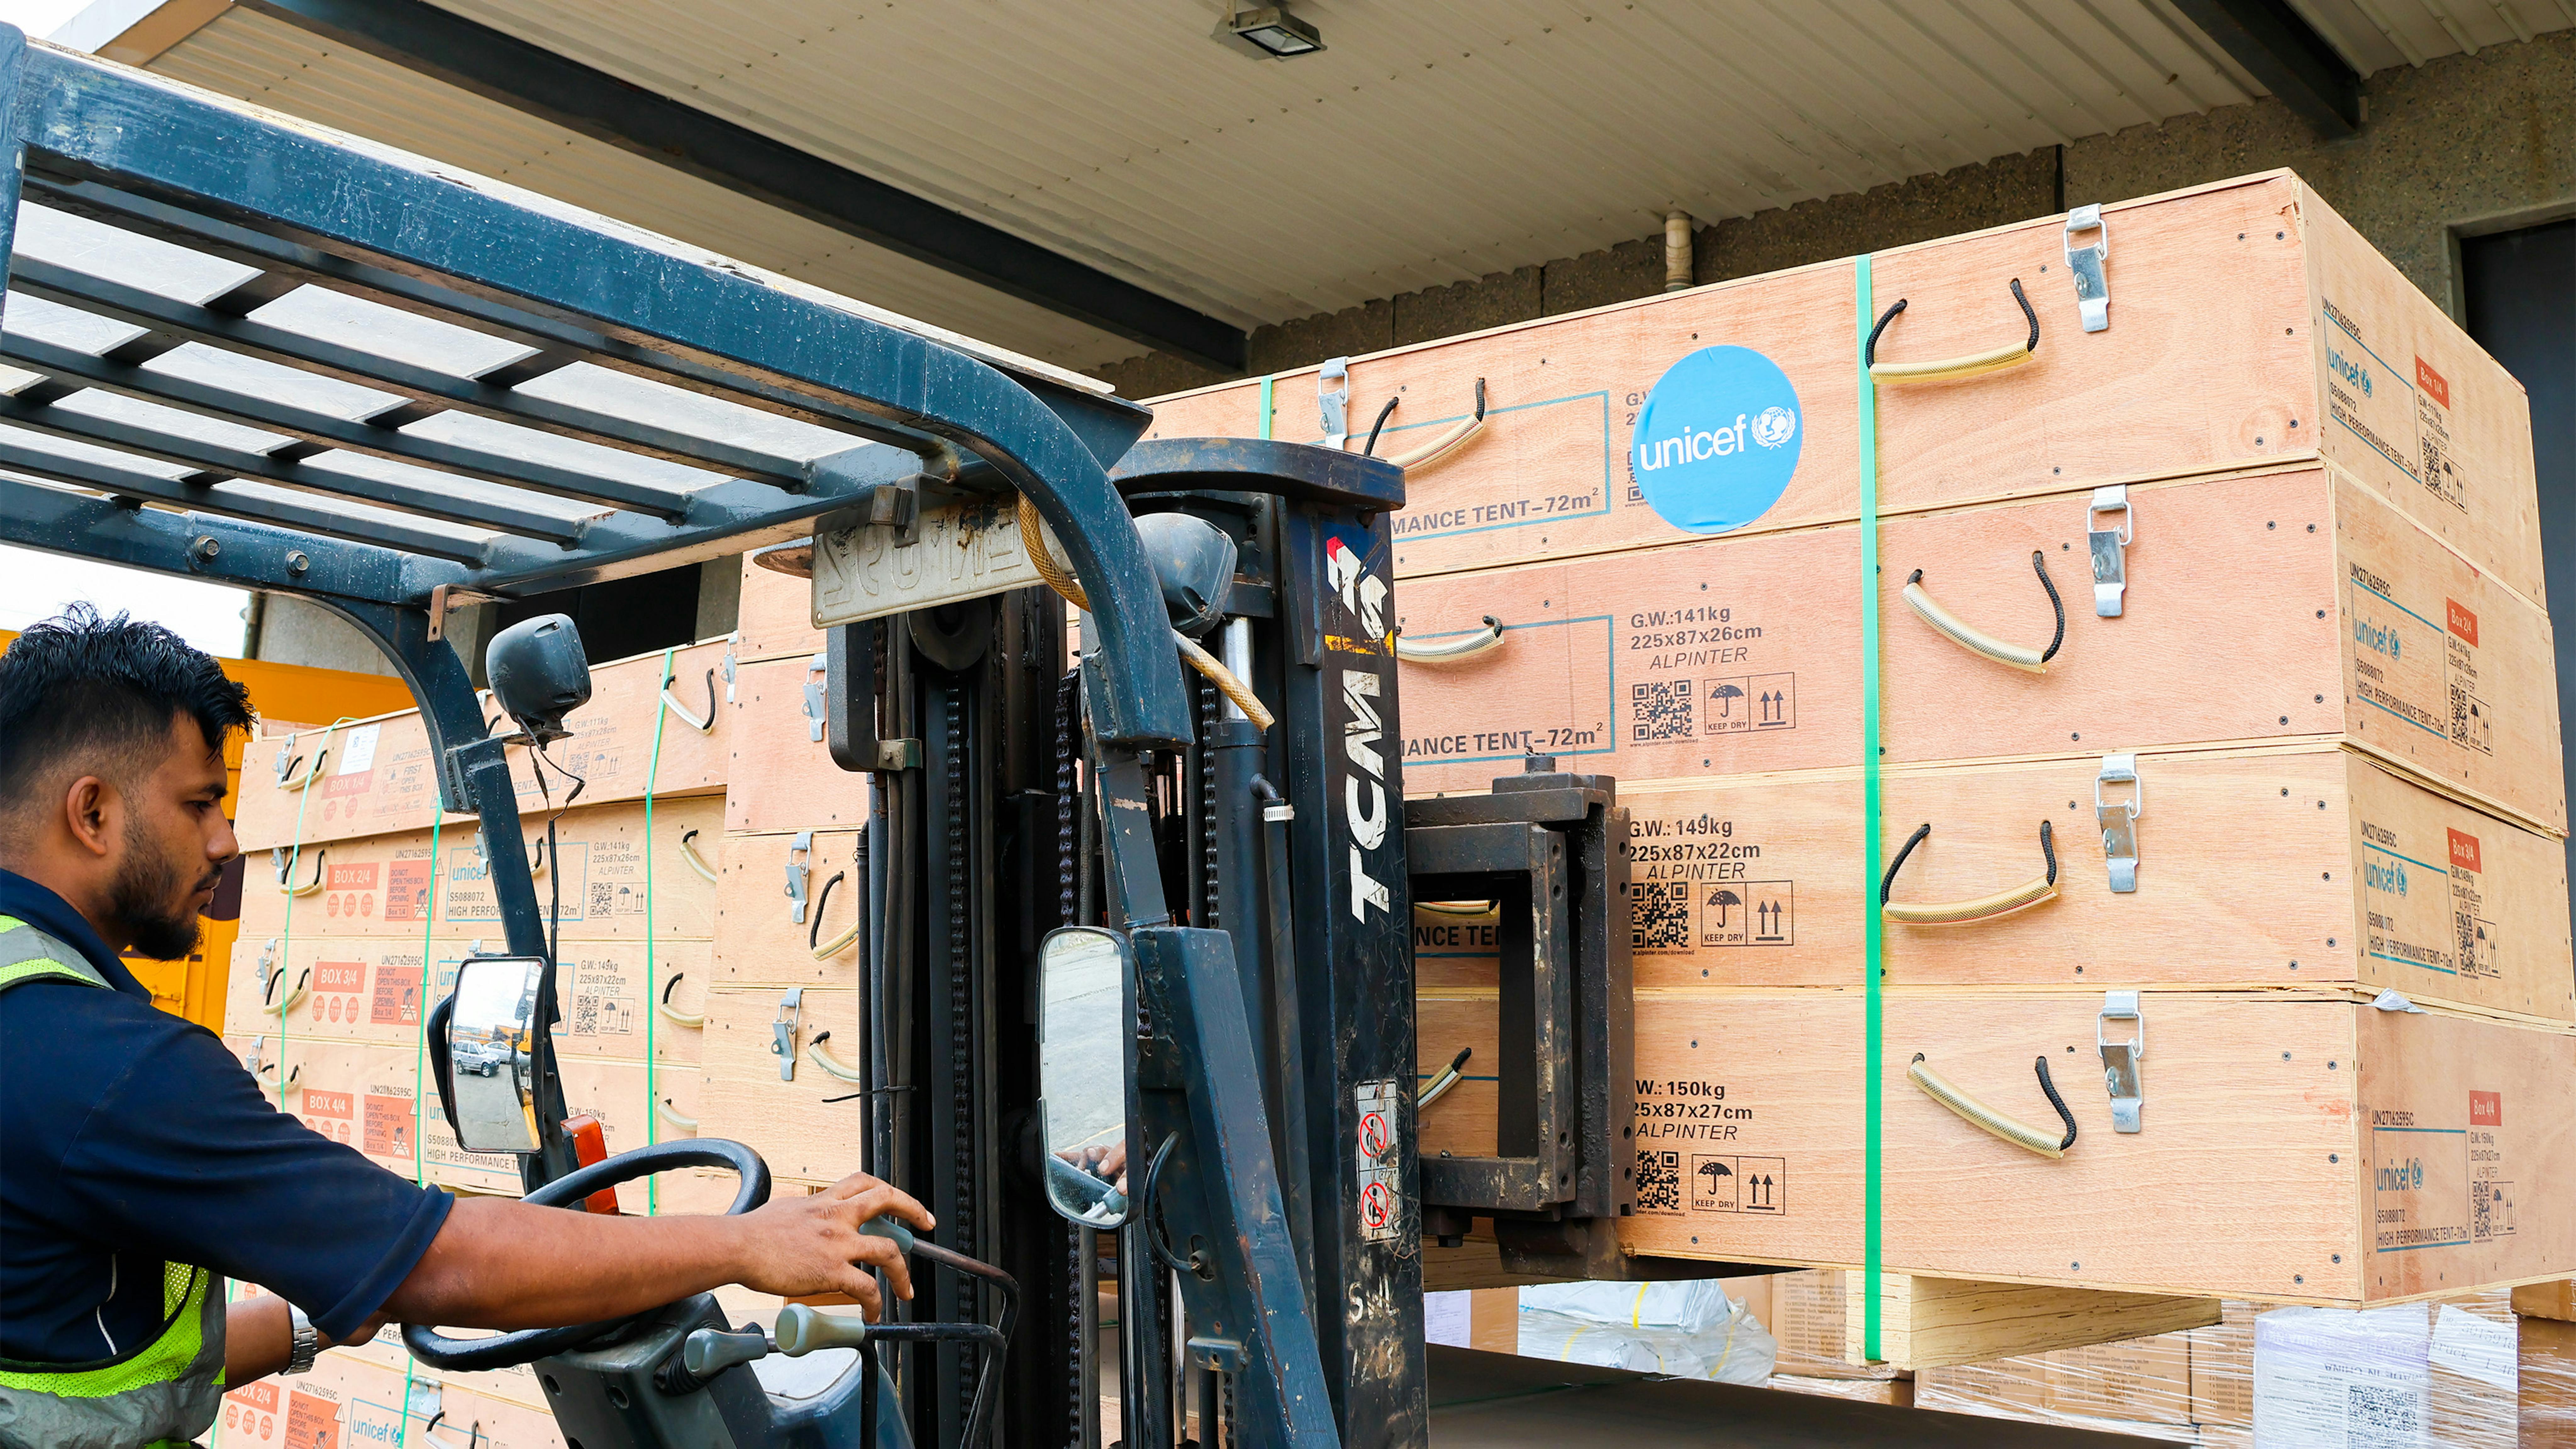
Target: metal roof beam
2279, 48
529, 78
246, 555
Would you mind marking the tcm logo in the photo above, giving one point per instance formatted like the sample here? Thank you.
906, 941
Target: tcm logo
2435, 386
2388, 879
2377, 638
2486, 1109
2461, 622
2407, 1176
1363, 594
2464, 852
2349, 370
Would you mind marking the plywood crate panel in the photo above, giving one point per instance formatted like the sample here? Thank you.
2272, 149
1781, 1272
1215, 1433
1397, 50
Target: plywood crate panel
2291, 865
371, 990
2317, 1149
2248, 322
2289, 603
808, 1129
781, 776
776, 616
378, 886
369, 1098
759, 941
377, 775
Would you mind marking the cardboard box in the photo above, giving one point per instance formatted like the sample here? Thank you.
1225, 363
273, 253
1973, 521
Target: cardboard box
368, 777
2222, 1369
2293, 865
2393, 1154
371, 990
2248, 323
379, 886
2294, 604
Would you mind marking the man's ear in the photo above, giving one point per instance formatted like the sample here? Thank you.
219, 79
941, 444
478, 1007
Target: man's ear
91, 808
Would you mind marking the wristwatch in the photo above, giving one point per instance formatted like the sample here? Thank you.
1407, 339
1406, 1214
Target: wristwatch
308, 1344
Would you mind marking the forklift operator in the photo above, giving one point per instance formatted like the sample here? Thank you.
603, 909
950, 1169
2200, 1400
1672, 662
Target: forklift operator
141, 1165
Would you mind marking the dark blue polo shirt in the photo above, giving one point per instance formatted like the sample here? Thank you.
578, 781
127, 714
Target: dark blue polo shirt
129, 1137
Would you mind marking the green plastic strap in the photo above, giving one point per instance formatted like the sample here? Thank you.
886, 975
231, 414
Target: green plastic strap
652, 1000
1267, 384
1872, 945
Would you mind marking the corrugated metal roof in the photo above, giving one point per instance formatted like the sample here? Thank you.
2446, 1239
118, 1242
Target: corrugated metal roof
1432, 142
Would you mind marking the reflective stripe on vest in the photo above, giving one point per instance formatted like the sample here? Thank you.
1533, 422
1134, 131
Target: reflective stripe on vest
167, 1390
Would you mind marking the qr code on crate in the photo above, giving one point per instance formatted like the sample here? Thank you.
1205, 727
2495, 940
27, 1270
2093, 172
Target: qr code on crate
585, 1014
603, 898
1659, 709
1660, 918
1659, 1182
2375, 1414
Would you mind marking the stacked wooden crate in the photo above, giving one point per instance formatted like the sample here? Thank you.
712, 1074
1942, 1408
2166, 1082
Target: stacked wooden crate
361, 900
2331, 663
791, 899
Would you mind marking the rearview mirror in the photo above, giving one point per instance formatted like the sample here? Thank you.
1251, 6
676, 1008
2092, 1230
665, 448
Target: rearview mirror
489, 1075
1083, 1059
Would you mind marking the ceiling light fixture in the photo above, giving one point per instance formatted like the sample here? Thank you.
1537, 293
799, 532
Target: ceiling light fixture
1268, 31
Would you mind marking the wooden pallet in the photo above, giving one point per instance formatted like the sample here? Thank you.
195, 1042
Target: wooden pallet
2285, 604
2248, 323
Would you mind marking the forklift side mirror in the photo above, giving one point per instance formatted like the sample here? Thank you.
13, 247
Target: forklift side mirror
1084, 975
488, 1076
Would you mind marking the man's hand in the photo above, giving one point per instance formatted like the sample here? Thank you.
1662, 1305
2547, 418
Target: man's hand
502, 1264
259, 1338
804, 1246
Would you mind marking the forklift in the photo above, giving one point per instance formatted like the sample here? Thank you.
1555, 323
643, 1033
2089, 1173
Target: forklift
1139, 868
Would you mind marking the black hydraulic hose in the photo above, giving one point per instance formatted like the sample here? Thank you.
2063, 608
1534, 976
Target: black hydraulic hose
1287, 1034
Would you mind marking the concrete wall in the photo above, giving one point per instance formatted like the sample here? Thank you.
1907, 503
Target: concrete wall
2460, 145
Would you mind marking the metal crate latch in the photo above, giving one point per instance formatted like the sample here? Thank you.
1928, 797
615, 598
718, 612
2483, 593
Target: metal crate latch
2120, 1058
2119, 820
1333, 395
799, 874
2110, 548
783, 1033
2092, 289
817, 676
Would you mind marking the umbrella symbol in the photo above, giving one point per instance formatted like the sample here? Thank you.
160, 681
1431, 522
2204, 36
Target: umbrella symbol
1725, 694
1722, 900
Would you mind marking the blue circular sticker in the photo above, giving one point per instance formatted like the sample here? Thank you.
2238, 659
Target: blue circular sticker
1717, 440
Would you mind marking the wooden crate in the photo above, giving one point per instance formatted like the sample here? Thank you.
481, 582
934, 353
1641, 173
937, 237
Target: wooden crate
776, 617
781, 775
808, 1129
376, 775
758, 939
2290, 603
370, 990
2247, 323
2297, 1146
378, 886
369, 1098
2289, 865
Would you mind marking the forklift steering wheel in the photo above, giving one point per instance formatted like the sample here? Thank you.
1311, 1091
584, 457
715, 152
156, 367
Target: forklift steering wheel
509, 1350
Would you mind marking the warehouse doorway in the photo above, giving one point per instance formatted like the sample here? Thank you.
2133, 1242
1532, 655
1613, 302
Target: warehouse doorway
2519, 291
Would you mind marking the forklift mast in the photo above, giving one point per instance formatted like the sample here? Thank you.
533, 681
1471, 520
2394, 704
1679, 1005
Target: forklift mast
475, 393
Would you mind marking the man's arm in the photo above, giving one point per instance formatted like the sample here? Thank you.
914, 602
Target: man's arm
502, 1264
499, 1263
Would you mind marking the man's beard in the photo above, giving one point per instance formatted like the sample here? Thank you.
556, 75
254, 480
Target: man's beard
146, 905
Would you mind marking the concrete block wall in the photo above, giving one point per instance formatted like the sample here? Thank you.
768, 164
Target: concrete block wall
2460, 145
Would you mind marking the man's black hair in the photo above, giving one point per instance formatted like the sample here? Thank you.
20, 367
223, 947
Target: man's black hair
103, 693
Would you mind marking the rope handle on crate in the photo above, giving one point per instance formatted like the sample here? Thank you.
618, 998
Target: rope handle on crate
1986, 1119
1974, 364
1976, 641
834, 1065
1439, 447
673, 1014
1980, 908
1452, 648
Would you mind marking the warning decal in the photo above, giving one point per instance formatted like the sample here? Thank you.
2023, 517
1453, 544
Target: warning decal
1381, 1201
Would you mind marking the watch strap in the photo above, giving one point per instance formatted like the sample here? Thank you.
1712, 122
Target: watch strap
308, 1342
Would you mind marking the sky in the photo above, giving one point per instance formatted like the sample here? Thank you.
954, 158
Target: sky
35, 585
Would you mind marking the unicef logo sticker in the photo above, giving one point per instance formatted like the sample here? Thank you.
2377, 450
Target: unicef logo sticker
1717, 441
